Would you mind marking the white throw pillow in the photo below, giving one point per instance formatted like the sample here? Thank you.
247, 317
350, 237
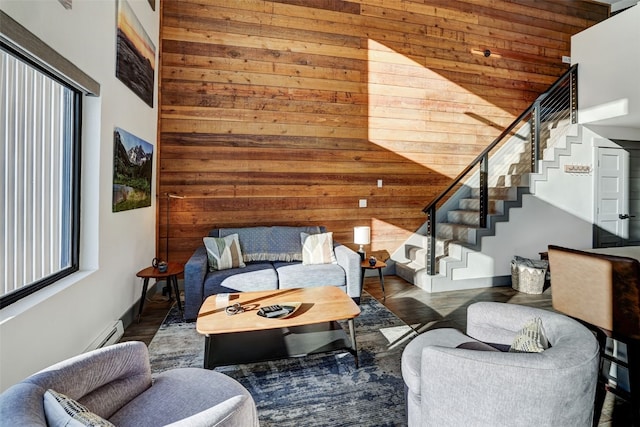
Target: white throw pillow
224, 252
317, 249
531, 338
62, 411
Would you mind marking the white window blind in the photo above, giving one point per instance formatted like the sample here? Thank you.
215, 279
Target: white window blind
36, 187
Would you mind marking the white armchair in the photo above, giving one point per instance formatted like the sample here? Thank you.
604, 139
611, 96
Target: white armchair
448, 385
115, 383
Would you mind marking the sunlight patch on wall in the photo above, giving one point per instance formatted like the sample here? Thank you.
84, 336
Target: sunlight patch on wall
605, 111
385, 235
417, 113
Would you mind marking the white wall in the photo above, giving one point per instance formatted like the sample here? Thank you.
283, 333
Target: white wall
558, 213
65, 318
608, 55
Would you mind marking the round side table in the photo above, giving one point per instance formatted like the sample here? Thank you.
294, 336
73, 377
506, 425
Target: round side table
171, 276
379, 265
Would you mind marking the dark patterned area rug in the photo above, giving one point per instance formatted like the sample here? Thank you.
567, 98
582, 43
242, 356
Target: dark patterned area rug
317, 390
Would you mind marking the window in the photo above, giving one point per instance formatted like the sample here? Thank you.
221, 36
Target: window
40, 118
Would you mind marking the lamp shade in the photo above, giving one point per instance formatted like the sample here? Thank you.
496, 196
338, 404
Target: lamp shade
361, 235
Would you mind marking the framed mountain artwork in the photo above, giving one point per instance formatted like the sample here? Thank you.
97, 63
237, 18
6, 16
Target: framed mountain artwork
132, 171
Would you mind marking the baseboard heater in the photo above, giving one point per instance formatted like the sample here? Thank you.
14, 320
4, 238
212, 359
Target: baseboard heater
110, 335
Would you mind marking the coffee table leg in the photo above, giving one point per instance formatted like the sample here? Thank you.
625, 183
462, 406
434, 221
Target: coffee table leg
208, 348
354, 345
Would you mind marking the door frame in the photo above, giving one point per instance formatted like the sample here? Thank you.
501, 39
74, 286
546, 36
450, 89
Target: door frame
599, 144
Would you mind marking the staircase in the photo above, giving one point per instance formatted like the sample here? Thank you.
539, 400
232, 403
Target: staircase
458, 260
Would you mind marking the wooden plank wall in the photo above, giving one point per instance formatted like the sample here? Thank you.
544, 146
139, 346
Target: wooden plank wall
288, 112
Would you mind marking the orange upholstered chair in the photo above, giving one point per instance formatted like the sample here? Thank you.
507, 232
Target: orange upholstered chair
602, 291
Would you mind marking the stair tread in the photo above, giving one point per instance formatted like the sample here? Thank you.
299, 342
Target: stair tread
457, 225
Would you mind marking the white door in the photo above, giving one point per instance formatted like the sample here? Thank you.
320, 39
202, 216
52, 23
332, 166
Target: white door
612, 198
634, 194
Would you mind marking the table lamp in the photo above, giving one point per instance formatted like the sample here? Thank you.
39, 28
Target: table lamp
361, 236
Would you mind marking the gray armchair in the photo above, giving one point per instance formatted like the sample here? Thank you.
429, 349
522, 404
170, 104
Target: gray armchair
448, 385
115, 383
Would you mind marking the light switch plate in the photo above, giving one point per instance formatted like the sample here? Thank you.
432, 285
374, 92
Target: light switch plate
363, 203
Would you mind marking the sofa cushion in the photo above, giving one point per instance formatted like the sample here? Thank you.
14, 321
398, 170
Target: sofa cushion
223, 252
62, 411
297, 275
190, 391
278, 243
254, 276
223, 414
317, 249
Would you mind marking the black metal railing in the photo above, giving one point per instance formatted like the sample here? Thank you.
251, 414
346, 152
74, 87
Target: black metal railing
558, 105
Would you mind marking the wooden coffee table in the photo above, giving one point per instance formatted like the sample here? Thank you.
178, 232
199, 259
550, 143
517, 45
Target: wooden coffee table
246, 337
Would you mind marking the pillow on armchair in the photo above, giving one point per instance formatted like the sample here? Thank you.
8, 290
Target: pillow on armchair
61, 410
530, 339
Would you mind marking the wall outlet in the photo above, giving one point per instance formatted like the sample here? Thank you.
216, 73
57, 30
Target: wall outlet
379, 183
363, 203
566, 59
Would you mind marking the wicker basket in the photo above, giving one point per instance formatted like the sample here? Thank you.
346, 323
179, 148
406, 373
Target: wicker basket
528, 275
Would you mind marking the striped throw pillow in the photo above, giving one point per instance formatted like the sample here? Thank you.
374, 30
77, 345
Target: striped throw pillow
61, 410
224, 252
530, 339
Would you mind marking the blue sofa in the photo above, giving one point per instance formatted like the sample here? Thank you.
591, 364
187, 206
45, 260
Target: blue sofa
273, 258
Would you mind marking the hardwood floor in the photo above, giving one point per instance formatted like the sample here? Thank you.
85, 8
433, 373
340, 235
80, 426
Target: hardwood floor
422, 310
417, 308
155, 310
